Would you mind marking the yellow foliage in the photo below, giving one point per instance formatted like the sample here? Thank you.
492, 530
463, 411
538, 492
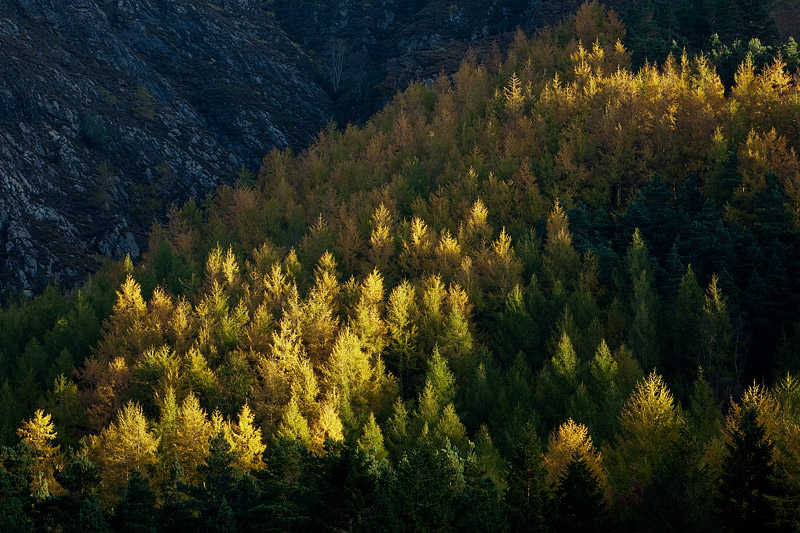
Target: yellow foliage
38, 433
245, 439
572, 440
327, 426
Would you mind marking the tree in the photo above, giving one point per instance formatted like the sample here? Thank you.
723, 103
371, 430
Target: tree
38, 433
651, 428
558, 381
402, 350
514, 96
127, 444
560, 261
570, 442
686, 315
219, 473
644, 304
581, 505
371, 440
527, 496
334, 62
135, 511
717, 331
245, 440
192, 433
428, 482
294, 426
745, 484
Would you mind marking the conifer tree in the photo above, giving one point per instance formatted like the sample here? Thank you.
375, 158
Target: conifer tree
245, 440
569, 442
514, 95
371, 440
687, 314
320, 320
558, 381
39, 433
527, 497
192, 433
135, 511
717, 331
560, 261
651, 429
746, 484
401, 354
127, 444
294, 426
581, 505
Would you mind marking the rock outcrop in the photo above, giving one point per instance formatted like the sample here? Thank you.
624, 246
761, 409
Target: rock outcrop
110, 110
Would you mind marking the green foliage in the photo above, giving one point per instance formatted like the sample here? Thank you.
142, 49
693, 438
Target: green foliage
373, 334
745, 484
580, 504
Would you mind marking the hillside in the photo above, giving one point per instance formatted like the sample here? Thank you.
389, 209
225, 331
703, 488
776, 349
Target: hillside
109, 111
553, 291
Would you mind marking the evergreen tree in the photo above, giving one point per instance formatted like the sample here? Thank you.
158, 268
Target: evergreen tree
746, 481
135, 512
580, 504
527, 497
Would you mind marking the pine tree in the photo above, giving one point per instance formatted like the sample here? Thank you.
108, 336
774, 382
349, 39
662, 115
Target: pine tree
746, 484
225, 521
219, 473
135, 511
687, 315
581, 506
717, 331
527, 496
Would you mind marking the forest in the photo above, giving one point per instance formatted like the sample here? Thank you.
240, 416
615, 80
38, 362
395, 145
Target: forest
549, 292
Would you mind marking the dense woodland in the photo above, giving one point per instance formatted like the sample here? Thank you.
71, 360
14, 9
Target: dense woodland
548, 292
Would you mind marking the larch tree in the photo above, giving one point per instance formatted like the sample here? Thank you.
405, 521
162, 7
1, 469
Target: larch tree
560, 261
320, 320
651, 429
293, 426
402, 356
371, 441
569, 442
126, 444
192, 433
245, 440
39, 433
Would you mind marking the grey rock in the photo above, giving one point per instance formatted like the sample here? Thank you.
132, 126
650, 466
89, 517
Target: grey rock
109, 105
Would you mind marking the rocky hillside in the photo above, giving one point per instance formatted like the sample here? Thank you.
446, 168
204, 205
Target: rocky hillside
386, 44
110, 110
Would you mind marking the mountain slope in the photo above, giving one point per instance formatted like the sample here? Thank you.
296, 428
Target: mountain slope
110, 110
